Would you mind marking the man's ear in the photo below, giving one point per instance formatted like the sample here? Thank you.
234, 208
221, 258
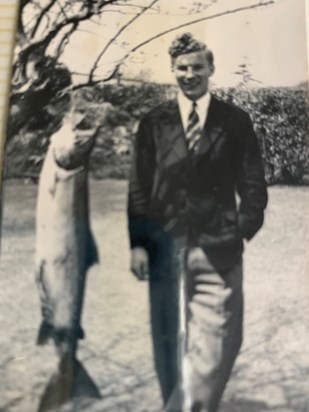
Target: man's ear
211, 69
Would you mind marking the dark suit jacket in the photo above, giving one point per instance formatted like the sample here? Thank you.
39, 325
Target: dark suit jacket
172, 194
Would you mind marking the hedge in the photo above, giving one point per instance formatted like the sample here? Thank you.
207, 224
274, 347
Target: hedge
279, 115
280, 119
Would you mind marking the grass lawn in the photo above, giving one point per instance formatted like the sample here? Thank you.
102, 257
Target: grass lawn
271, 374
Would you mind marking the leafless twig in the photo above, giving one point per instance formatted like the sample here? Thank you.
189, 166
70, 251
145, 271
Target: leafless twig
113, 38
261, 3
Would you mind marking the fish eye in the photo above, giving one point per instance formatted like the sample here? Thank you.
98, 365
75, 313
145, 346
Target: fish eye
84, 124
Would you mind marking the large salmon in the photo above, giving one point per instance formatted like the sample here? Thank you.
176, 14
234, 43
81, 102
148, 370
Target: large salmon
65, 250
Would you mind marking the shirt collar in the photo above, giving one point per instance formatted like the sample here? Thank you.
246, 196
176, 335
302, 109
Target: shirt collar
185, 107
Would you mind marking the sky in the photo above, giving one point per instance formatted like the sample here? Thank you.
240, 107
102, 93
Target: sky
270, 40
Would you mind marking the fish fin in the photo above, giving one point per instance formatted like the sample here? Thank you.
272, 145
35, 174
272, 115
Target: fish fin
46, 332
68, 336
70, 382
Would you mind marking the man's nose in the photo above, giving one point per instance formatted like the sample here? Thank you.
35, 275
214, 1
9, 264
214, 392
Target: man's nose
189, 73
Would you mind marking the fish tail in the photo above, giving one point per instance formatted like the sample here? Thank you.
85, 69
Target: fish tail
70, 382
46, 332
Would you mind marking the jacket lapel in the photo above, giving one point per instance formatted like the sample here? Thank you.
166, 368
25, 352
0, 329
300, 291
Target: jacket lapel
213, 128
172, 133
173, 143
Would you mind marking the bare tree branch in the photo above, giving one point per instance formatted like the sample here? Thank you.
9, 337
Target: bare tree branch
106, 3
44, 42
41, 16
135, 6
23, 3
85, 14
213, 16
36, 48
102, 80
94, 21
65, 39
21, 35
261, 3
62, 8
92, 32
112, 39
88, 9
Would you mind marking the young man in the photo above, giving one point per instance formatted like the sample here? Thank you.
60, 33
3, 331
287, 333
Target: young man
191, 158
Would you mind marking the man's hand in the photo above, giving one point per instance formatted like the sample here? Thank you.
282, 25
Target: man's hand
140, 263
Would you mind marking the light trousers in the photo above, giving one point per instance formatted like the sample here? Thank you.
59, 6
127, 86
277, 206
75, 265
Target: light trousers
196, 317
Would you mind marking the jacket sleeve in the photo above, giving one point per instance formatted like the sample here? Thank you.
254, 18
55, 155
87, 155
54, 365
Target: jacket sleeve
251, 185
140, 186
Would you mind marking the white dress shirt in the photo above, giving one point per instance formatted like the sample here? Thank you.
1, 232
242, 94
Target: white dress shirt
185, 107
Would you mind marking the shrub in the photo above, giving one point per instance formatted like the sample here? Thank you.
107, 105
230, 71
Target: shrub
280, 118
279, 115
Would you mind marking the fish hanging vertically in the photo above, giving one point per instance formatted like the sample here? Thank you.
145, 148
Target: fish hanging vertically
65, 250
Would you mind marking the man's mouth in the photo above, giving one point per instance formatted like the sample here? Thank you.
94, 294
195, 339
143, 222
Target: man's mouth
190, 85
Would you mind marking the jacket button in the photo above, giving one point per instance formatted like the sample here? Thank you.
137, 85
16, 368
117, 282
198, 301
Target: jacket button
182, 202
182, 197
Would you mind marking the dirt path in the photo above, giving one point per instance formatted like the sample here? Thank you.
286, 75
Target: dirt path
272, 372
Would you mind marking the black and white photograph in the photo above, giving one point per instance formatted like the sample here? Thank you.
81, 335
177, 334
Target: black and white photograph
155, 192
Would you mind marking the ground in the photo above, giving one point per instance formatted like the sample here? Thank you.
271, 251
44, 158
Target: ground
271, 373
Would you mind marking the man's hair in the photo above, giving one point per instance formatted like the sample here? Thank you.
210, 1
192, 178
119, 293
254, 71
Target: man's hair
186, 43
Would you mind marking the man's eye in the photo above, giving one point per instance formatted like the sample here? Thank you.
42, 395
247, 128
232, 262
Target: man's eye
182, 68
198, 67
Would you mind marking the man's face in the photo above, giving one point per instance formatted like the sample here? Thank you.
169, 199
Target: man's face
192, 72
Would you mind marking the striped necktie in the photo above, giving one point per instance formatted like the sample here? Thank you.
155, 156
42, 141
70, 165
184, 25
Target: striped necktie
193, 131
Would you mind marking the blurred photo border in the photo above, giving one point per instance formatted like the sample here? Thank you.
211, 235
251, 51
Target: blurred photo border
9, 10
8, 22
